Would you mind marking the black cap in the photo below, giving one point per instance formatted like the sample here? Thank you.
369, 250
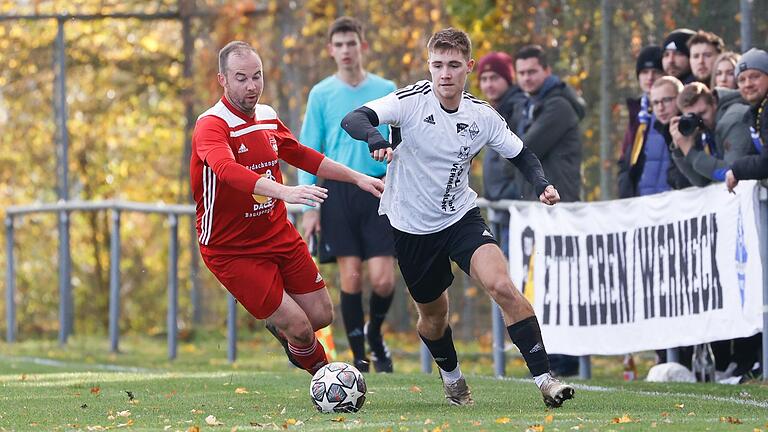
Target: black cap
678, 40
649, 58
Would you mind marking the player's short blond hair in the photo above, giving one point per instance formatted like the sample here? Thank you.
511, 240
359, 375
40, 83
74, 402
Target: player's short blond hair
451, 39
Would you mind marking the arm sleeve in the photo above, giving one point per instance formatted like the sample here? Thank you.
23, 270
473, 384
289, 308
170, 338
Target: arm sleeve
313, 133
707, 165
527, 162
212, 146
361, 124
291, 151
686, 168
554, 120
753, 167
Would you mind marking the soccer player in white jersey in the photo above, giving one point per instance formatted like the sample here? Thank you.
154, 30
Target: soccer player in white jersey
433, 211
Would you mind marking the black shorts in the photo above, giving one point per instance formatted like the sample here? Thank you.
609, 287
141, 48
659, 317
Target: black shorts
350, 224
425, 260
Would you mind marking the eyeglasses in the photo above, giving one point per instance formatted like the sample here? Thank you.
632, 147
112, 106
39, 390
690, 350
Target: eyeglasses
663, 101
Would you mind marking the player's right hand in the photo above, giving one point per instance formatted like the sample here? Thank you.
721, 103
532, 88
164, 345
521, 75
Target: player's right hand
310, 223
382, 154
310, 195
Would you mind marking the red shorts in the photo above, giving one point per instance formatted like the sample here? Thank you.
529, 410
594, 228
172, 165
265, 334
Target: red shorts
258, 280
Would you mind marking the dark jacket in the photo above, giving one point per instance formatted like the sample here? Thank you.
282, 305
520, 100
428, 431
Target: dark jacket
548, 124
731, 139
498, 172
755, 167
675, 178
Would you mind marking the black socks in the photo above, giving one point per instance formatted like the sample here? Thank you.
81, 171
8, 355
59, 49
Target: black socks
526, 334
352, 314
443, 350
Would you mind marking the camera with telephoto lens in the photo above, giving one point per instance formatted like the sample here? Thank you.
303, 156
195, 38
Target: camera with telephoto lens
689, 123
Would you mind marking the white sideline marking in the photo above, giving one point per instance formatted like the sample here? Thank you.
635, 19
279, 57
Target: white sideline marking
749, 402
58, 363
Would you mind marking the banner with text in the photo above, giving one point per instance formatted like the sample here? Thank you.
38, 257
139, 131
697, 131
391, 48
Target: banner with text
667, 270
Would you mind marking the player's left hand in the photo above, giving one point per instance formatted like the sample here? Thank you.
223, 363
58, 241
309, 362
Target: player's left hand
371, 184
730, 181
550, 196
383, 154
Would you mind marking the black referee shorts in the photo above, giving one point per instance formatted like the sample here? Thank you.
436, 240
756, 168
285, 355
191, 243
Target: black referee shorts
350, 224
425, 260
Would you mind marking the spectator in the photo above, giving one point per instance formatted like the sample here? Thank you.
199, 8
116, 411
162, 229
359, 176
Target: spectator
644, 158
497, 82
704, 46
663, 99
752, 76
351, 230
676, 55
720, 136
724, 73
547, 120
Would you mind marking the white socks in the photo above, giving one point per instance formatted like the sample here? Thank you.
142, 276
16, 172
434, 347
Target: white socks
539, 379
452, 376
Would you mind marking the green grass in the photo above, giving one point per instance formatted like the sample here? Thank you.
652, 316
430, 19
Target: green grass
78, 392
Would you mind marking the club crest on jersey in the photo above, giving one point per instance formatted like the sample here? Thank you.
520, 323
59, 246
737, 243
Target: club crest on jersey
473, 131
464, 153
273, 142
460, 128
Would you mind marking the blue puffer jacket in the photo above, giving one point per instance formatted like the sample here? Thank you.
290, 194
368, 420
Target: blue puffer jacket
656, 164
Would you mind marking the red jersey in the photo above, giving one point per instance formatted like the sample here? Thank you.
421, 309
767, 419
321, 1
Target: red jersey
230, 152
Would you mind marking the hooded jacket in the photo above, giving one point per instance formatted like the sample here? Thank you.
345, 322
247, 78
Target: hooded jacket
548, 124
498, 172
755, 167
731, 139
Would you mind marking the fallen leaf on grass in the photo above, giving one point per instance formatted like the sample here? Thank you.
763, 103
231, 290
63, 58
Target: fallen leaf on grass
126, 424
95, 428
548, 419
680, 406
577, 427
437, 429
403, 418
167, 427
338, 419
241, 390
23, 377
476, 423
95, 390
282, 411
125, 413
535, 428
196, 411
193, 429
428, 421
623, 419
503, 420
415, 389
212, 421
731, 420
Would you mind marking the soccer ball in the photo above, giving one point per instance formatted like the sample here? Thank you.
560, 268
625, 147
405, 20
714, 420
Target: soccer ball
338, 387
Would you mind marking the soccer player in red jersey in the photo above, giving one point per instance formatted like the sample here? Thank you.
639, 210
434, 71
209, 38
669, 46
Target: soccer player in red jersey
245, 237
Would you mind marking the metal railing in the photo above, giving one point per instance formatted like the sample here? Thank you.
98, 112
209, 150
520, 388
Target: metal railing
174, 211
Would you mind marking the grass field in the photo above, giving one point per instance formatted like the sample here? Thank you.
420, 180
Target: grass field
83, 387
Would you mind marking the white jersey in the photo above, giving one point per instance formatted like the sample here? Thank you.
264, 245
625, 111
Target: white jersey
427, 186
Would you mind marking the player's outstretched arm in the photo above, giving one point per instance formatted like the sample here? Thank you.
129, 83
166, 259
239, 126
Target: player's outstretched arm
310, 195
330, 169
361, 124
527, 162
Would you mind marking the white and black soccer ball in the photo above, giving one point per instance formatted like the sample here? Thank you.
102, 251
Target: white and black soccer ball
338, 387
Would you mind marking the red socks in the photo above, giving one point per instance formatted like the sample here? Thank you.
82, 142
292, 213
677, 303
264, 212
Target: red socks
311, 358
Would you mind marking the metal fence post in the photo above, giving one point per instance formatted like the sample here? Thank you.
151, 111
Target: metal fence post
10, 283
65, 288
426, 359
585, 367
114, 282
173, 285
231, 328
763, 234
499, 358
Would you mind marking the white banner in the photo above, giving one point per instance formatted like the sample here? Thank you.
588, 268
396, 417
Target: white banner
667, 270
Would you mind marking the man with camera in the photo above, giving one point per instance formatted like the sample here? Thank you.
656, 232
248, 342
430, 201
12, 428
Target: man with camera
710, 134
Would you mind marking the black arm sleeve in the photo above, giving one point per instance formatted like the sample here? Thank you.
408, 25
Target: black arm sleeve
527, 162
361, 124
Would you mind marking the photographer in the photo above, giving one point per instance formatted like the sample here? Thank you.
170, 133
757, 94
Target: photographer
710, 134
